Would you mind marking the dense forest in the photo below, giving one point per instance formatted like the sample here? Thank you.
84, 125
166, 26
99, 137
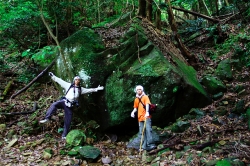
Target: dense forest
211, 37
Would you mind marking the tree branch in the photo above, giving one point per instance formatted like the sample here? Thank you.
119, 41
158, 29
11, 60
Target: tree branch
34, 80
197, 14
21, 113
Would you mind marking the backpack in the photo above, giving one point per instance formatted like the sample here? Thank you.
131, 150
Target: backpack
74, 103
152, 107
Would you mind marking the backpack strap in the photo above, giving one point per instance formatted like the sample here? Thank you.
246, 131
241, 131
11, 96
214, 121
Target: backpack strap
142, 104
69, 88
73, 85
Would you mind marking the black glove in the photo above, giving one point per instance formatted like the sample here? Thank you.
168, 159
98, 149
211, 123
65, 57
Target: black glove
51, 74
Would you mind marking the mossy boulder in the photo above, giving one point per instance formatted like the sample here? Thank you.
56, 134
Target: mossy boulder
239, 107
81, 52
89, 152
213, 84
180, 126
75, 137
172, 85
224, 70
165, 84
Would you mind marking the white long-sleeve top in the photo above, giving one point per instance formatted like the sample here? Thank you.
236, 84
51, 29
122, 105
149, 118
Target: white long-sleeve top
71, 96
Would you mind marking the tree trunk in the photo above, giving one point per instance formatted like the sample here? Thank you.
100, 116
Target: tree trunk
98, 11
173, 25
55, 39
142, 8
217, 7
149, 10
158, 19
226, 2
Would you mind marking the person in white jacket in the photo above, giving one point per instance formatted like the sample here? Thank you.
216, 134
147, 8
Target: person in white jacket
72, 93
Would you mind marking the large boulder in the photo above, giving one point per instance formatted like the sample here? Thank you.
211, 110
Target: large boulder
171, 84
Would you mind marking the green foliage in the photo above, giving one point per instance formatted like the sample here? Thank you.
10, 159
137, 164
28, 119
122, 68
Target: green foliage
3, 66
190, 159
228, 9
192, 26
26, 53
247, 13
60, 130
240, 43
45, 55
223, 163
19, 23
26, 76
187, 4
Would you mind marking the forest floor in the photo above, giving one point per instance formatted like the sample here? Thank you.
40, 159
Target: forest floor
205, 141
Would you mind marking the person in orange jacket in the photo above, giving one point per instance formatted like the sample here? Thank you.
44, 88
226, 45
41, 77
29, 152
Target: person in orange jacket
140, 101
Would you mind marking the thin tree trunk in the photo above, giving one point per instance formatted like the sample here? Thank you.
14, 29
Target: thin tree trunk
149, 10
158, 19
217, 7
142, 8
173, 25
226, 2
57, 43
204, 3
98, 10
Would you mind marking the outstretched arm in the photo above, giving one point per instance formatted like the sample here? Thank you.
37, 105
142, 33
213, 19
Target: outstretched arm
85, 90
65, 85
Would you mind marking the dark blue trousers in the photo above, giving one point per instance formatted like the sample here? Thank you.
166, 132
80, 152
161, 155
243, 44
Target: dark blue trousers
67, 114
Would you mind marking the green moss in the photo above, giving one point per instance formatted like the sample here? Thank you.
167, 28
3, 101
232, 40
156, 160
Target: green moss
86, 38
82, 52
152, 65
224, 71
213, 84
136, 25
117, 91
189, 74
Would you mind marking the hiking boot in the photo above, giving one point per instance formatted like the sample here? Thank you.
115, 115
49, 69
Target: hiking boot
44, 121
152, 147
63, 138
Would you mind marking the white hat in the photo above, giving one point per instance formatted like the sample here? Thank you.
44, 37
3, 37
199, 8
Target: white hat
139, 87
76, 77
